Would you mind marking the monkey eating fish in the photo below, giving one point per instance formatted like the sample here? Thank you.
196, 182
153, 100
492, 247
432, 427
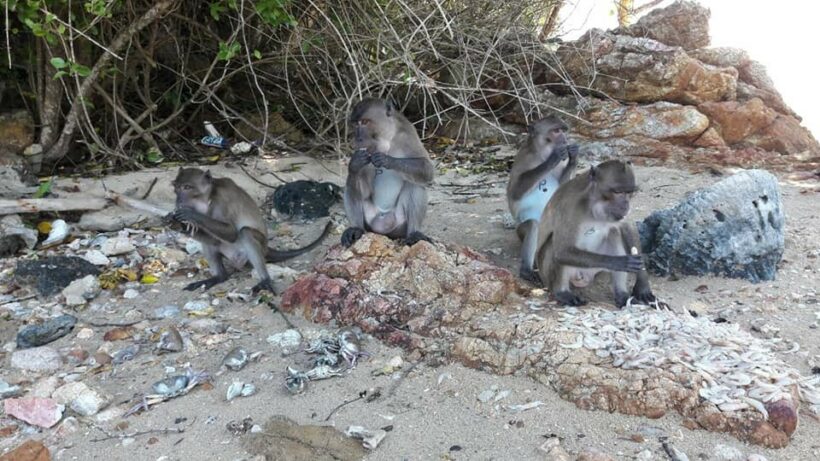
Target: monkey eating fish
229, 225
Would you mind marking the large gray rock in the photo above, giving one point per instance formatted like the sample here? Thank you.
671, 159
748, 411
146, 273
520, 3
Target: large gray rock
684, 24
733, 228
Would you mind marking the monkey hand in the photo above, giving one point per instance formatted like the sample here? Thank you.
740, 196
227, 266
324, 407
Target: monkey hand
359, 160
382, 160
572, 151
631, 263
186, 215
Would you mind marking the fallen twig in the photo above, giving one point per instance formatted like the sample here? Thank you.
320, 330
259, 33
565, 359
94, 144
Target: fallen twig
16, 300
260, 182
345, 403
150, 188
125, 201
36, 205
129, 435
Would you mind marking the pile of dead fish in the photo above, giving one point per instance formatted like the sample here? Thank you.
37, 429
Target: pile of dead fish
739, 370
333, 354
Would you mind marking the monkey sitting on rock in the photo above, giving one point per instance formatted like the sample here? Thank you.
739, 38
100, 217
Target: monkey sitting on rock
387, 176
229, 225
545, 161
583, 232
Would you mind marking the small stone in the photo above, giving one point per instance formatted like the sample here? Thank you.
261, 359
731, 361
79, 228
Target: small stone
81, 291
645, 455
128, 441
756, 457
85, 333
502, 395
68, 426
117, 246
109, 414
36, 411
44, 387
46, 332
101, 358
593, 454
722, 452
196, 306
486, 396
167, 311
30, 450
208, 326
131, 294
255, 429
81, 398
37, 359
7, 390
97, 258
395, 362
287, 340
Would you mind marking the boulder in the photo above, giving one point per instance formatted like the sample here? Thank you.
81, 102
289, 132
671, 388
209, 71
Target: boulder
16, 132
51, 274
642, 70
683, 23
660, 120
735, 121
733, 228
15, 236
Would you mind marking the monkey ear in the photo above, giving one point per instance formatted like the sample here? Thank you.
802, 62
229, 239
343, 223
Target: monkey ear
208, 176
530, 129
389, 107
592, 173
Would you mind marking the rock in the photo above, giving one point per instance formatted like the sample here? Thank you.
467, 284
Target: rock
85, 333
193, 247
30, 450
735, 121
16, 181
44, 387
733, 228
475, 130
642, 70
167, 311
553, 450
208, 326
660, 120
131, 294
593, 454
171, 257
683, 23
727, 453
46, 332
721, 56
109, 414
287, 340
16, 132
782, 415
118, 246
14, 235
286, 274
283, 439
710, 138
53, 273
786, 136
34, 410
81, 398
81, 291
7, 390
97, 258
37, 359
68, 426
756, 457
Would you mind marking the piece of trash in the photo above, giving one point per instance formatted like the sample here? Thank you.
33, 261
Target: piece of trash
58, 233
296, 381
170, 385
241, 147
234, 390
524, 407
239, 427
370, 438
304, 199
124, 355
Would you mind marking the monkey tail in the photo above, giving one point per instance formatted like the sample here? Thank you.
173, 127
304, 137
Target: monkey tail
275, 256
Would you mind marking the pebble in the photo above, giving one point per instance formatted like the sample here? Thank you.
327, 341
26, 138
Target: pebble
85, 333
131, 294
167, 311
78, 292
7, 390
46, 332
35, 410
128, 441
37, 359
727, 453
81, 398
117, 246
97, 258
195, 306
486, 396
44, 387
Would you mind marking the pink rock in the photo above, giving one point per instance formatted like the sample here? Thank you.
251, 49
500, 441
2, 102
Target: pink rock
35, 410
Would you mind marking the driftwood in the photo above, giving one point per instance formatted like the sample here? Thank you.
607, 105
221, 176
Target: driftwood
130, 202
36, 205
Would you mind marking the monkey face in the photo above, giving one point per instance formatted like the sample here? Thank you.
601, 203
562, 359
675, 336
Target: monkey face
374, 125
192, 186
550, 131
614, 187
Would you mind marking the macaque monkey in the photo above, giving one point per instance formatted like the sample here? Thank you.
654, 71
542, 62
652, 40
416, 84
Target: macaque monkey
545, 161
583, 232
387, 175
228, 224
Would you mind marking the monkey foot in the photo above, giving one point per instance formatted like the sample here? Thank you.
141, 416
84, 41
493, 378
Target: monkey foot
621, 299
351, 235
207, 283
263, 285
415, 238
568, 298
643, 296
530, 275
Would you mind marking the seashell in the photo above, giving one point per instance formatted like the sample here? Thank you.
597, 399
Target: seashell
171, 385
234, 390
236, 359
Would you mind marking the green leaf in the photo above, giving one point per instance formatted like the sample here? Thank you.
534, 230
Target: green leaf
81, 70
154, 155
60, 74
257, 54
58, 63
44, 189
227, 51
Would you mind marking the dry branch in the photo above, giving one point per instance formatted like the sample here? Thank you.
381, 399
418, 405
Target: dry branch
130, 202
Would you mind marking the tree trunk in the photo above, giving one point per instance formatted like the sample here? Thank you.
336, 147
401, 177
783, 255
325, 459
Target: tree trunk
60, 148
